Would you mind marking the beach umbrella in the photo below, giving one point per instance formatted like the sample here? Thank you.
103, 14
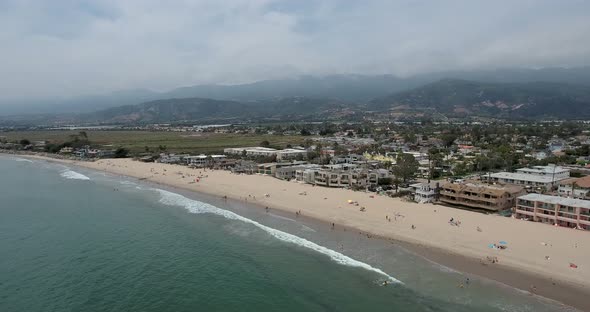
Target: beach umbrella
503, 242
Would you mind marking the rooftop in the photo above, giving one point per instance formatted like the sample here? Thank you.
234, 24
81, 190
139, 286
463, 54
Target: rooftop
583, 182
484, 187
551, 169
572, 202
524, 177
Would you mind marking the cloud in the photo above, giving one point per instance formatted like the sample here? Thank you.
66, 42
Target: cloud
66, 47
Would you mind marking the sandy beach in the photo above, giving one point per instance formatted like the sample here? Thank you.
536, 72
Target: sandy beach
541, 252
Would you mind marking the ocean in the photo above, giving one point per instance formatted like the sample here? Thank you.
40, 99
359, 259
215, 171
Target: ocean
78, 240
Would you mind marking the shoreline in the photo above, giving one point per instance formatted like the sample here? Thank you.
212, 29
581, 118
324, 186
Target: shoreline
567, 292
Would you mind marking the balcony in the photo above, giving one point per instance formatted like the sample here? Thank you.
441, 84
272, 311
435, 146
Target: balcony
526, 203
469, 203
568, 218
525, 212
527, 209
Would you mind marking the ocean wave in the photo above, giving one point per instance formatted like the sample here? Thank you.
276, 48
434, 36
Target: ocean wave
193, 206
70, 174
306, 228
23, 160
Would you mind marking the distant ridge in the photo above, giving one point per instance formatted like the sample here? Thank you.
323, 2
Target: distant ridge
348, 88
453, 97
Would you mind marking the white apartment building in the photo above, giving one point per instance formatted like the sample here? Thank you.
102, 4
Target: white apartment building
203, 160
538, 176
285, 154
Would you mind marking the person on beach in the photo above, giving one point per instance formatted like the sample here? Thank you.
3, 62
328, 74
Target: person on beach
333, 225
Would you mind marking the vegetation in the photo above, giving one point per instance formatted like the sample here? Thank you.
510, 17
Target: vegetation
142, 141
405, 167
454, 97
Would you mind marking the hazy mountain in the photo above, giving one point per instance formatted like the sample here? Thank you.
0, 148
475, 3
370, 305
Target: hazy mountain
201, 109
356, 89
575, 75
509, 100
81, 104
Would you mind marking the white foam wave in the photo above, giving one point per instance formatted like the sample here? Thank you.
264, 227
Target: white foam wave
69, 174
193, 206
307, 228
23, 160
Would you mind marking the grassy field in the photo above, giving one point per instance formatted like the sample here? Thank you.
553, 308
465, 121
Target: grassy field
180, 142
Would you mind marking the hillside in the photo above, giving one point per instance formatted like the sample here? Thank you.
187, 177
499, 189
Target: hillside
454, 97
347, 88
200, 109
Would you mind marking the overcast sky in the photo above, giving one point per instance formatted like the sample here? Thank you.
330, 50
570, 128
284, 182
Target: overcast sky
67, 47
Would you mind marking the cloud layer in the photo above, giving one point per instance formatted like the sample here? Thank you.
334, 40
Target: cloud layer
67, 47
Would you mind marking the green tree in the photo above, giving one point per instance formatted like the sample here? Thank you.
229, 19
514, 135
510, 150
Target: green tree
24, 142
405, 167
121, 152
448, 139
265, 143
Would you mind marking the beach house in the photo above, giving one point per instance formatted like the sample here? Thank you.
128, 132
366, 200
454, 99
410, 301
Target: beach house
575, 187
425, 192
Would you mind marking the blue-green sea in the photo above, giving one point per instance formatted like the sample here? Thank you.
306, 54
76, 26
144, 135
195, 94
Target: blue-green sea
77, 240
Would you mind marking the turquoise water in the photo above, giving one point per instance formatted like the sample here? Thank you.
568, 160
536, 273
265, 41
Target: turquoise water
76, 240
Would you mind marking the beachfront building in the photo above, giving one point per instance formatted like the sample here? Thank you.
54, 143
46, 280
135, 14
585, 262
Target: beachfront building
244, 167
285, 154
375, 175
66, 150
425, 192
575, 187
333, 178
290, 172
343, 175
203, 160
172, 158
480, 195
554, 210
306, 175
272, 168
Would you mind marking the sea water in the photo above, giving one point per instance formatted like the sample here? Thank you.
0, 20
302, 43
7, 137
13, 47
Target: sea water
79, 240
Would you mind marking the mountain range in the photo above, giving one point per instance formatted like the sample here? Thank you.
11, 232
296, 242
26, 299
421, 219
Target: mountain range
506, 93
452, 97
